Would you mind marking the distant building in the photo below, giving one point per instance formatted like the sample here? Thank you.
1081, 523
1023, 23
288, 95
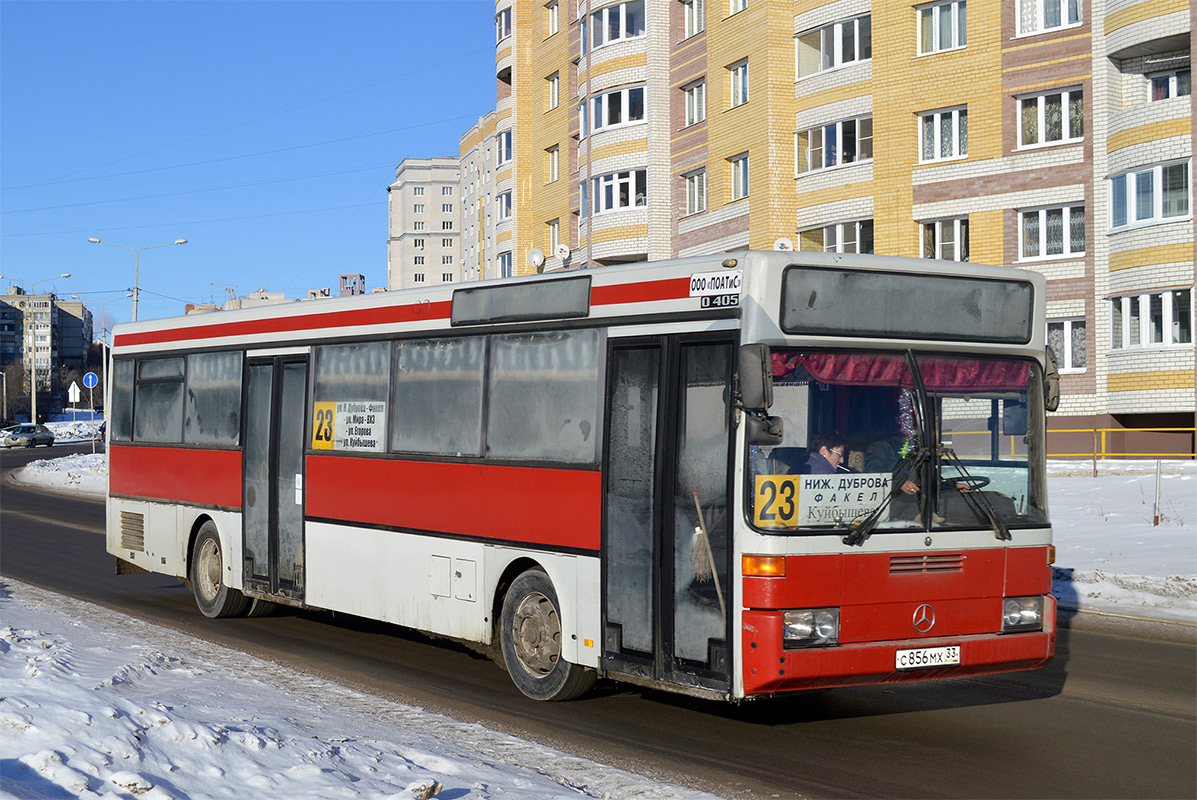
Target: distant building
424, 245
57, 332
352, 284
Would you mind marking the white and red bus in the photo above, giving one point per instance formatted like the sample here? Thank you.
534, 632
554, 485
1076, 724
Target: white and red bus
626, 472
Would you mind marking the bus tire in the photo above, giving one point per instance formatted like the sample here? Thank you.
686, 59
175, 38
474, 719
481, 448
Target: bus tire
261, 608
530, 635
214, 598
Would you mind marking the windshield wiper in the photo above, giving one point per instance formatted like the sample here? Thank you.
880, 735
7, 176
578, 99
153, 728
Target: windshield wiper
910, 464
975, 498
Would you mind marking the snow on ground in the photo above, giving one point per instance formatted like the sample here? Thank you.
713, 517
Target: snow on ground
97, 704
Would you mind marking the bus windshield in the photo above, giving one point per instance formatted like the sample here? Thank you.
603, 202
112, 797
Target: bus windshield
953, 444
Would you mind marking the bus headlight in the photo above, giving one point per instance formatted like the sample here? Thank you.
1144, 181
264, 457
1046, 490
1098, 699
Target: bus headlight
810, 627
1022, 613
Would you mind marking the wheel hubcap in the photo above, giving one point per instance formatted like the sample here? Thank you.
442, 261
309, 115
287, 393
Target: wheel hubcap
536, 633
207, 572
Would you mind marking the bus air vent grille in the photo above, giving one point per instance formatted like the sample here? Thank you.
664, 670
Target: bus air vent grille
930, 562
132, 531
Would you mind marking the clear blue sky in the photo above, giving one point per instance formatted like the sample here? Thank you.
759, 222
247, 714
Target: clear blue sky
264, 133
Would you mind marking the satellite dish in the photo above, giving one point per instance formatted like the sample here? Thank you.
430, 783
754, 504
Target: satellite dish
563, 252
536, 259
783, 244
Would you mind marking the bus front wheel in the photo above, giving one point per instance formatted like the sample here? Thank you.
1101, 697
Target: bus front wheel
214, 598
530, 636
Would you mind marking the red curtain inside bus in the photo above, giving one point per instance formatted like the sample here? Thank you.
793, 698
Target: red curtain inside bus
939, 374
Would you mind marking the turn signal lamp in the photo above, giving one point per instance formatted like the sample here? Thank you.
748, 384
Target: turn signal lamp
764, 566
1051, 554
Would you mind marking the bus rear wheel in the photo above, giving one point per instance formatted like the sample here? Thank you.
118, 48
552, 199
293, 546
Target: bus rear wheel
214, 598
530, 635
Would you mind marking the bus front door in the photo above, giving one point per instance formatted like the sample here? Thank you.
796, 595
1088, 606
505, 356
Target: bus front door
276, 398
666, 593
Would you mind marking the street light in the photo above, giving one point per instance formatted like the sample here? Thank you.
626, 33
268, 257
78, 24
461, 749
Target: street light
136, 263
33, 361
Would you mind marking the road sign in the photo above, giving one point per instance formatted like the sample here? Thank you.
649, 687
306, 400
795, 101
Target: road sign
90, 380
74, 393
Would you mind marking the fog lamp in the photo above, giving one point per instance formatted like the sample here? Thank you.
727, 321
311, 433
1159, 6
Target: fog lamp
810, 627
1022, 613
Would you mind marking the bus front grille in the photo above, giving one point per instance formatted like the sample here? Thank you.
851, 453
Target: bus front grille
132, 531
930, 562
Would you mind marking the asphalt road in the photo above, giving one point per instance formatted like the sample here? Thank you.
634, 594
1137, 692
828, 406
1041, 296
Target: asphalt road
1110, 717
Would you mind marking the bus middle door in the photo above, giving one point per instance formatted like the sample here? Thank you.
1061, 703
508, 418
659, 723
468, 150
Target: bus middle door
666, 591
273, 501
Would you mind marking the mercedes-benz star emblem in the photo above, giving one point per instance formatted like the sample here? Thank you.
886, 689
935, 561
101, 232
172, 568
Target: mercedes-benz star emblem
924, 618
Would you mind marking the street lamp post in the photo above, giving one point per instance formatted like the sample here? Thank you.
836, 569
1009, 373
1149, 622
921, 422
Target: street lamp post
33, 361
136, 263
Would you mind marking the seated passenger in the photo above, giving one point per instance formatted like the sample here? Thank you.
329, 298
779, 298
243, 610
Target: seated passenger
827, 454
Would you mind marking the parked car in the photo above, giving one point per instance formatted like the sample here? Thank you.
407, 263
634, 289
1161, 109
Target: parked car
29, 436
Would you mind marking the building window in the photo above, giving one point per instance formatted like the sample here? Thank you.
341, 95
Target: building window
739, 176
696, 192
942, 26
447, 225
1037, 16
1052, 118
553, 231
447, 277
417, 191
552, 91
418, 261
446, 242
583, 125
1051, 232
842, 237
836, 144
505, 265
943, 134
736, 6
1158, 319
551, 23
418, 208
503, 206
446, 260
506, 151
550, 163
835, 45
696, 102
621, 107
418, 243
738, 76
446, 208
447, 191
417, 277
1153, 194
946, 239
1166, 85
417, 225
617, 22
502, 25
696, 16
620, 190
1066, 338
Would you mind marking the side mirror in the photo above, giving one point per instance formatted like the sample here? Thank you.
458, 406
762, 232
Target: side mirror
756, 377
1051, 383
763, 430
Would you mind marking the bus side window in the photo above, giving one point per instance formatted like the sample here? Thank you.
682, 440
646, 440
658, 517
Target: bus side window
438, 396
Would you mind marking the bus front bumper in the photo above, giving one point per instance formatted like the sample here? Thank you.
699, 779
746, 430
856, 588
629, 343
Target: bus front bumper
769, 668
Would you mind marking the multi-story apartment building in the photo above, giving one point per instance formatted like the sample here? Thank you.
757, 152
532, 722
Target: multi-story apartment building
57, 332
1054, 135
424, 217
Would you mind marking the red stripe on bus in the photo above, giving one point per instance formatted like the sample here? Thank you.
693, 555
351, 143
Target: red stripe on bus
182, 475
643, 292
388, 315
545, 507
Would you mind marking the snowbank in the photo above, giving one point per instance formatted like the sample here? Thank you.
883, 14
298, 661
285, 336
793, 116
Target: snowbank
97, 704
